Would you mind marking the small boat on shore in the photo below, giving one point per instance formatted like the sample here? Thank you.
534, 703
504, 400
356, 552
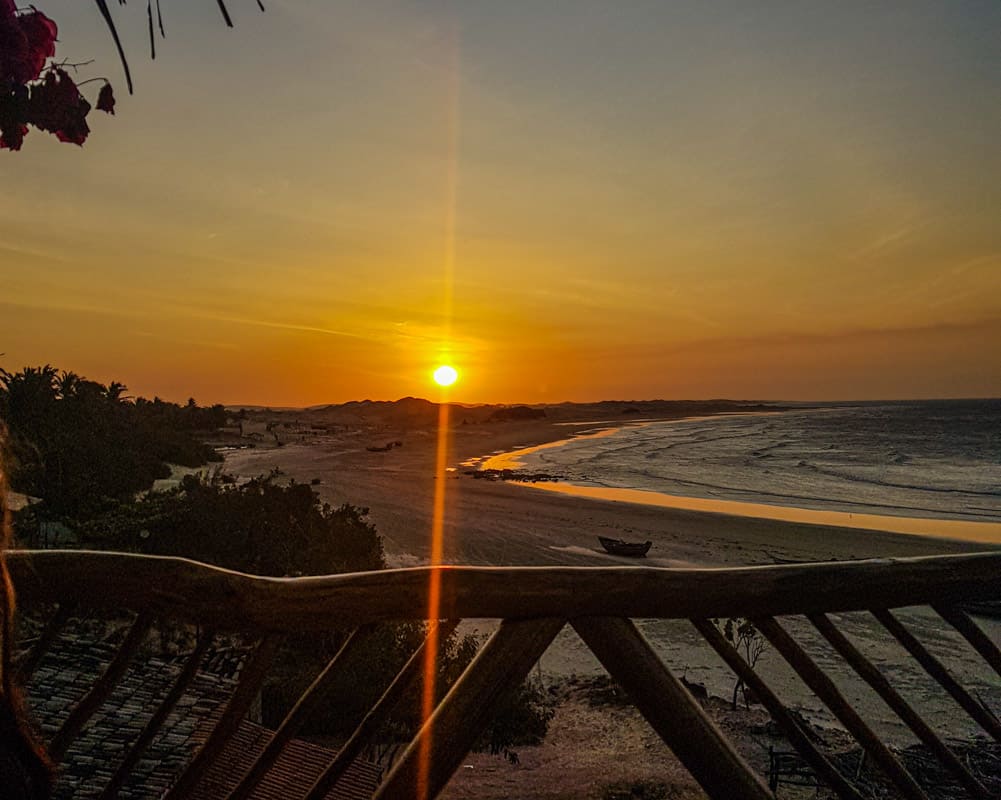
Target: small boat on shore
617, 547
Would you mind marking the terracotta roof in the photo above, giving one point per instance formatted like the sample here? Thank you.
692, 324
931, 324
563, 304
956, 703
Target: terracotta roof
299, 765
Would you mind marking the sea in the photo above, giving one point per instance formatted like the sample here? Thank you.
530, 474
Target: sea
937, 461
930, 460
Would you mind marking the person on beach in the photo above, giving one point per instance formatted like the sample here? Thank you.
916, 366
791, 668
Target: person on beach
25, 771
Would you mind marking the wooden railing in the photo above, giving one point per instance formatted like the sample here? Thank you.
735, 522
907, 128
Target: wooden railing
533, 604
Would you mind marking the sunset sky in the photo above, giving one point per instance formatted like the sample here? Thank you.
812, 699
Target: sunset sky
572, 200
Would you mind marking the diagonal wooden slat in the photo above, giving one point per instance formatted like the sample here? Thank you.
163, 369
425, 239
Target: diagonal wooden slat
871, 675
314, 695
103, 686
26, 668
252, 675
806, 748
358, 740
152, 727
937, 670
970, 631
670, 709
463, 714
824, 688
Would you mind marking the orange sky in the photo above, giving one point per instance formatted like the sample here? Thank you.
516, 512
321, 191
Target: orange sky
570, 200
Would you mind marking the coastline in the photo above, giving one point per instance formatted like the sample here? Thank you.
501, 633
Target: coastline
501, 523
940, 527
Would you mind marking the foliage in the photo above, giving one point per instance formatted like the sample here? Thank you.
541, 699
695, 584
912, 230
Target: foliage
272, 527
262, 527
77, 443
748, 641
32, 93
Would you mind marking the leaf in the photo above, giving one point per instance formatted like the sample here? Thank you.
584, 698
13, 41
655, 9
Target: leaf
102, 6
106, 100
225, 13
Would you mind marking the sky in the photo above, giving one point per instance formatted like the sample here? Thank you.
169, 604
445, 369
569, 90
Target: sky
568, 200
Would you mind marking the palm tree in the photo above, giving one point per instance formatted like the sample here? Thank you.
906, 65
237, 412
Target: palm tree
102, 6
115, 392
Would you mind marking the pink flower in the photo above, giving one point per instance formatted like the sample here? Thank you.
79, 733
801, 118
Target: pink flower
26, 41
57, 106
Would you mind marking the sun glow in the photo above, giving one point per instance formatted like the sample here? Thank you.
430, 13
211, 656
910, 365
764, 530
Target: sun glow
446, 375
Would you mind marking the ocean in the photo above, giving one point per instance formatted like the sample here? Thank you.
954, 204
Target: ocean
938, 461
927, 460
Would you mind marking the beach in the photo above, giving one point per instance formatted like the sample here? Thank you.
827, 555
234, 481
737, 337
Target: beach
494, 522
500, 523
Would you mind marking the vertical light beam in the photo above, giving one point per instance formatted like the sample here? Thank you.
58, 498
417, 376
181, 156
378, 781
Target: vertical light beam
441, 461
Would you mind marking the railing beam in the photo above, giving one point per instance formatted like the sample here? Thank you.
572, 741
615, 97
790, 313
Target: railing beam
353, 747
183, 680
26, 667
670, 709
879, 683
806, 748
315, 694
102, 688
252, 676
937, 670
447, 736
970, 631
230, 600
824, 688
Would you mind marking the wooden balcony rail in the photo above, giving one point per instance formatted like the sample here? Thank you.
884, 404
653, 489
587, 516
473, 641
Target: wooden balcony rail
533, 604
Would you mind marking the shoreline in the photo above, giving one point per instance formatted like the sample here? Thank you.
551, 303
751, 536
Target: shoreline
503, 523
499, 523
948, 528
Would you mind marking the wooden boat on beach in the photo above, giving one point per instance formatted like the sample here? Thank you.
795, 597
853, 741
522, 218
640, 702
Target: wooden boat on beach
617, 547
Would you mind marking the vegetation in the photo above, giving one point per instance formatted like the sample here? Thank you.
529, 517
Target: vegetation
91, 455
78, 444
749, 642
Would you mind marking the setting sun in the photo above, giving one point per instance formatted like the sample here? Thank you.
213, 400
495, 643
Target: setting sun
445, 375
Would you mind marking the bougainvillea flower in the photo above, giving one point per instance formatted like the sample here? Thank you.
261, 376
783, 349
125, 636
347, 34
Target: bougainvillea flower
57, 106
106, 99
13, 113
41, 33
26, 41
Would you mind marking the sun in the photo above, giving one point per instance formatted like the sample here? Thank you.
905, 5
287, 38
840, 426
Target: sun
445, 375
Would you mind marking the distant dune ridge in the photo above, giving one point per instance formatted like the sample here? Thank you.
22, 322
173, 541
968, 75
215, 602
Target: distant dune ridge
415, 412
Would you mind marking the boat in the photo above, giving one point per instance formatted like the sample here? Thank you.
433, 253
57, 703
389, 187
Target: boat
617, 547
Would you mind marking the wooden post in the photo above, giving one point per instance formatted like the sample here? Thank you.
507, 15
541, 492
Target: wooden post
352, 748
462, 715
297, 716
152, 727
806, 748
26, 668
99, 692
871, 675
252, 675
670, 709
824, 688
979, 640
935, 668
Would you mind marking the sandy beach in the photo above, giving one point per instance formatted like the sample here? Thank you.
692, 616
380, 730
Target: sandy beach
499, 523
494, 522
